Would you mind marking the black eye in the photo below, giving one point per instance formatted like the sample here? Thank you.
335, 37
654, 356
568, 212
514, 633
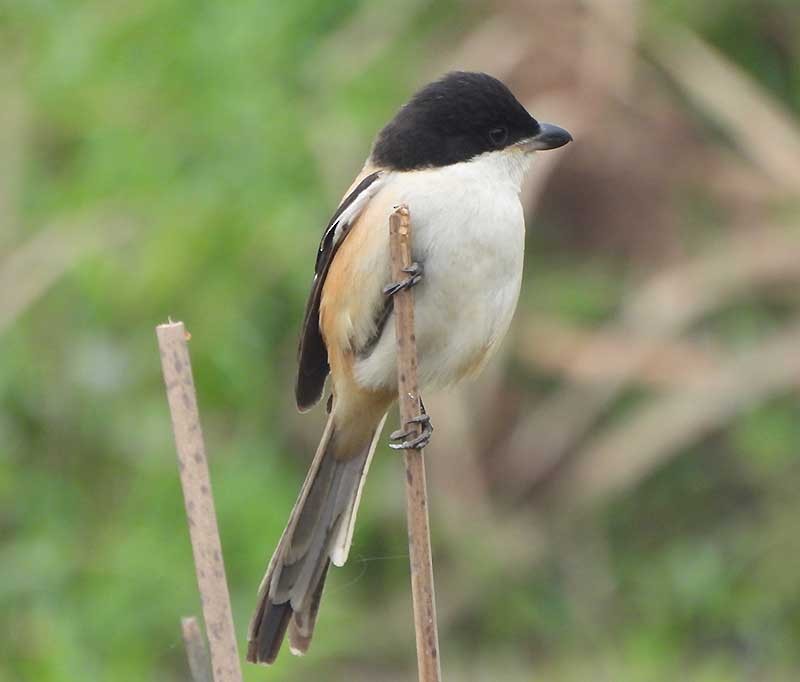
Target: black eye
498, 136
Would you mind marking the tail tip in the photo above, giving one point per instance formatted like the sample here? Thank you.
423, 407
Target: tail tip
267, 631
298, 643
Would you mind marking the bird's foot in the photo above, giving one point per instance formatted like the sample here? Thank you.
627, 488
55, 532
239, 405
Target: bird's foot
416, 443
414, 272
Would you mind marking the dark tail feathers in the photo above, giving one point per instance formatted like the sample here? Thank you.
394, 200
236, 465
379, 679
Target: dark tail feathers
319, 531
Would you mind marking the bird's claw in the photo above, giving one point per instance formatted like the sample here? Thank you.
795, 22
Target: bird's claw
417, 443
414, 272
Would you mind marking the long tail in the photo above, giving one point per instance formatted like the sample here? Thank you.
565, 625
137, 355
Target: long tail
319, 530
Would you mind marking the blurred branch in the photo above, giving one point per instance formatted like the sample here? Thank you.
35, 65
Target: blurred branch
196, 653
608, 56
29, 271
661, 310
764, 129
478, 49
457, 468
546, 344
627, 452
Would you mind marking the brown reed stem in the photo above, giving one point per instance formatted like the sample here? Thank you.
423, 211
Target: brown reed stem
419, 537
199, 501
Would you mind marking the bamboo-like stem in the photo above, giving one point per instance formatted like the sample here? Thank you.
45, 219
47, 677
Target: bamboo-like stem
419, 537
199, 501
196, 653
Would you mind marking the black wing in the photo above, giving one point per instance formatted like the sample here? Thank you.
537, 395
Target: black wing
312, 354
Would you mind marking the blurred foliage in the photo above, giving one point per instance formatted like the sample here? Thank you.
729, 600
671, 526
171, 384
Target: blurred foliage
196, 150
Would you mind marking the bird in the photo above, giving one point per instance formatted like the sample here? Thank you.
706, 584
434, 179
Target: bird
455, 154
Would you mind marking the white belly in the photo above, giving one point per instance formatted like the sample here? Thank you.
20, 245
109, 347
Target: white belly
468, 235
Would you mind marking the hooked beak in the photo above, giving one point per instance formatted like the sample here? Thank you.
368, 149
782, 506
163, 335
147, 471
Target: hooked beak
548, 137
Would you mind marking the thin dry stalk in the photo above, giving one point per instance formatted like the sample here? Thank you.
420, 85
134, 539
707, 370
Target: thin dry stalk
199, 501
199, 665
736, 101
419, 536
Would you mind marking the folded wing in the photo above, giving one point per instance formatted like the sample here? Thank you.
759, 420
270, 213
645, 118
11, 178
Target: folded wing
313, 364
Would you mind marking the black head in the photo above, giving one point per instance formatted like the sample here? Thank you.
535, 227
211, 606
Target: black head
456, 118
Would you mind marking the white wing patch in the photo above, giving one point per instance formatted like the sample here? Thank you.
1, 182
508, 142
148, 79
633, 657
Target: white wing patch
339, 227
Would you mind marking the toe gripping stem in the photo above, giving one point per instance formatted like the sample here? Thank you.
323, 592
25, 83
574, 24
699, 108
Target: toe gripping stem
420, 441
414, 272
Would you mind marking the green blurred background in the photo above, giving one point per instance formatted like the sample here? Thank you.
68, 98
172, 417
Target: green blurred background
615, 499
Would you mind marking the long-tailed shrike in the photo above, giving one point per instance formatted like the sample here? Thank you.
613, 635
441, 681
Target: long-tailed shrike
456, 154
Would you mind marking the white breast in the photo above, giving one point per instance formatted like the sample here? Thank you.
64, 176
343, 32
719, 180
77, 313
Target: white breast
469, 235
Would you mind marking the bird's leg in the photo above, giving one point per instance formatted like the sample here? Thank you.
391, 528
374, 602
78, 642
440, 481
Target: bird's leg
419, 441
414, 272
